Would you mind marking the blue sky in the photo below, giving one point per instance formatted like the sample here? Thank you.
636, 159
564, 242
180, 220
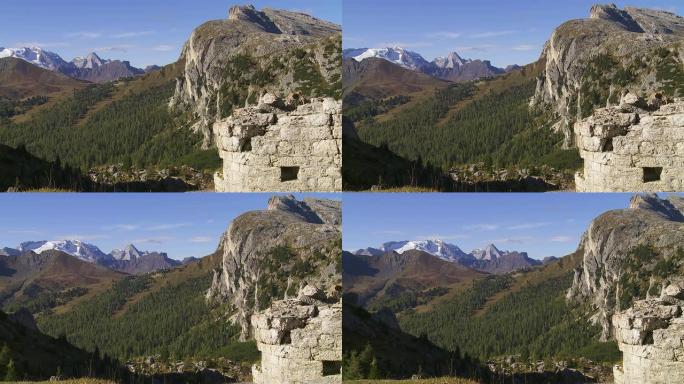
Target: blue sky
142, 31
549, 224
504, 31
182, 225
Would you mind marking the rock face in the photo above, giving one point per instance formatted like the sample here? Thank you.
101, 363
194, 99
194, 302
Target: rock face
293, 145
270, 254
632, 147
606, 245
650, 337
575, 80
229, 62
300, 340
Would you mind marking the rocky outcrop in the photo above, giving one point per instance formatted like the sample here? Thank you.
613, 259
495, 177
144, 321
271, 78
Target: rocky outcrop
650, 336
300, 340
606, 245
268, 255
230, 62
636, 146
588, 62
281, 145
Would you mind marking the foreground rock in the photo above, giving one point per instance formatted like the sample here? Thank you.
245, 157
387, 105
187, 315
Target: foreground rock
650, 337
281, 146
300, 340
636, 146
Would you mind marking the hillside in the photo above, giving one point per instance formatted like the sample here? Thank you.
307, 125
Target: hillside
20, 80
50, 280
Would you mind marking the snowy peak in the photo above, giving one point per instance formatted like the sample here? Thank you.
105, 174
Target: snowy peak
437, 248
91, 61
36, 56
76, 248
130, 252
490, 253
396, 55
453, 60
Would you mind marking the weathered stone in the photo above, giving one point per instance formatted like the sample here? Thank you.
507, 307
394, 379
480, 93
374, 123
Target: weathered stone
310, 348
631, 152
301, 144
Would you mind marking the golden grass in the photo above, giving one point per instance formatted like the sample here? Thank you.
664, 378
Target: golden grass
442, 380
73, 381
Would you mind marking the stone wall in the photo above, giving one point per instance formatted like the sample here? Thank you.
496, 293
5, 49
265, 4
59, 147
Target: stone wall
279, 145
300, 341
634, 147
650, 336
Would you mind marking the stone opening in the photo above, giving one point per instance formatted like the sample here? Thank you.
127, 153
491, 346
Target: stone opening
607, 145
652, 174
331, 368
286, 338
246, 145
289, 173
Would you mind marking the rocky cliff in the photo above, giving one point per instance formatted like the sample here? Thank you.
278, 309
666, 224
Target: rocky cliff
269, 255
230, 63
589, 62
627, 255
650, 337
635, 146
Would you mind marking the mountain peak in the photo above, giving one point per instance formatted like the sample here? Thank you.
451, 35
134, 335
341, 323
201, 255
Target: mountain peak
453, 60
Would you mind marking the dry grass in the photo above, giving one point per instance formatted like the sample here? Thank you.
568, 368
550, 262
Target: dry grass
73, 381
442, 380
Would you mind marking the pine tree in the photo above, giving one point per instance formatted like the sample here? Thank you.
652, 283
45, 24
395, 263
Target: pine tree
12, 373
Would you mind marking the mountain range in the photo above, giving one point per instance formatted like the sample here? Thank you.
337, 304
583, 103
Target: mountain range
488, 259
451, 67
128, 260
90, 68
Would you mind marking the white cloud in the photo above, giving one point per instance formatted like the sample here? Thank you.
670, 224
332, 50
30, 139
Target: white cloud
562, 239
125, 35
528, 225
492, 34
389, 232
201, 239
152, 240
437, 236
444, 35
163, 48
84, 35
524, 47
418, 44
514, 240
163, 227
114, 48
123, 227
82, 237
483, 227
476, 48
42, 45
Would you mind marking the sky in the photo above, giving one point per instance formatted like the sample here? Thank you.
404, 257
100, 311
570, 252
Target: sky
503, 31
549, 224
143, 32
182, 225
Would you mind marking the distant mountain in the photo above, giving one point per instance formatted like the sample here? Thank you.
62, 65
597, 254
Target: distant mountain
489, 259
90, 68
128, 260
19, 79
451, 67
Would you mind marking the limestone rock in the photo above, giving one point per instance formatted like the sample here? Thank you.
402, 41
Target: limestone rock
299, 343
625, 35
310, 228
650, 336
281, 150
606, 245
632, 149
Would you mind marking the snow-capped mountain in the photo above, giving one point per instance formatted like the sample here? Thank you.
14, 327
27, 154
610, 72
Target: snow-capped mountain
451, 67
396, 55
89, 62
36, 56
438, 248
130, 252
76, 248
490, 253
488, 259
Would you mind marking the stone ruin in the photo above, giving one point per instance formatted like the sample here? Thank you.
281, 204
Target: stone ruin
637, 146
281, 145
650, 336
300, 341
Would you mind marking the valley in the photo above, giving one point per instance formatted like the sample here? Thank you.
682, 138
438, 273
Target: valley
464, 125
535, 323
